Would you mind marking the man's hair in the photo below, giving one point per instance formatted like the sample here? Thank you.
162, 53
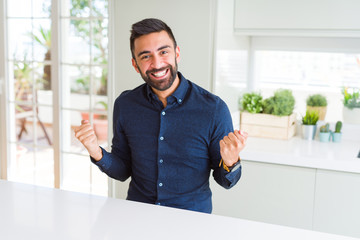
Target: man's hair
147, 26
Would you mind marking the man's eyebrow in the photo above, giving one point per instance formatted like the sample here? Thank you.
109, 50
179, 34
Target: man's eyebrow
163, 47
143, 52
159, 49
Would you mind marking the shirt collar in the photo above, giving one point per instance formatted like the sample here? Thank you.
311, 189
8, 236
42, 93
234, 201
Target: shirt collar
181, 90
179, 93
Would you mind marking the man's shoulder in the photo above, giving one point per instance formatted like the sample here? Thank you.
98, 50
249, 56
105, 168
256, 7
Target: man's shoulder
129, 96
203, 95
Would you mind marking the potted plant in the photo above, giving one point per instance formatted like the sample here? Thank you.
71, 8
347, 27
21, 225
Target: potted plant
336, 136
325, 133
309, 124
271, 118
351, 101
317, 102
281, 104
252, 102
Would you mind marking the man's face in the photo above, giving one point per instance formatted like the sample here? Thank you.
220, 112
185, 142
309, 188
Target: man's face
156, 59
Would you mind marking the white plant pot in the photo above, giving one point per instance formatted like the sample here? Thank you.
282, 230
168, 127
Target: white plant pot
351, 116
308, 131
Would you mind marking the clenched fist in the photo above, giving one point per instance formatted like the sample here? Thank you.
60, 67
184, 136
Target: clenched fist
231, 145
86, 135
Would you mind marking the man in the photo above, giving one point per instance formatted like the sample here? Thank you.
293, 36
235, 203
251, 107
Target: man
168, 133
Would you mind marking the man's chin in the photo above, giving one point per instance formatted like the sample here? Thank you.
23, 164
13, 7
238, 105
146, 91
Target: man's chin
161, 87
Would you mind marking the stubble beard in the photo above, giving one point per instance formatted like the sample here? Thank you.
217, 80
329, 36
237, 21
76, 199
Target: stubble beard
162, 84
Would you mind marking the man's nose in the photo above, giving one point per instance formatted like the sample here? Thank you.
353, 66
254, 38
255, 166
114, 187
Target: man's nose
156, 62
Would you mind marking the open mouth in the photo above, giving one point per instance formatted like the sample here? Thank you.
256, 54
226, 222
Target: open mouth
160, 74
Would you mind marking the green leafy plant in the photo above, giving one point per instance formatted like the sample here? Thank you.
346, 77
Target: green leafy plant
351, 97
338, 126
281, 104
43, 38
252, 102
316, 100
23, 83
325, 128
95, 37
310, 118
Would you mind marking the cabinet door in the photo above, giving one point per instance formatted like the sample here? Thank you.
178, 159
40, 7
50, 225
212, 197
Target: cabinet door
337, 203
306, 17
269, 193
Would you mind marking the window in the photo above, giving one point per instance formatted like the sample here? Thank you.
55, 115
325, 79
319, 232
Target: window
307, 69
33, 97
227, 67
29, 77
84, 83
307, 66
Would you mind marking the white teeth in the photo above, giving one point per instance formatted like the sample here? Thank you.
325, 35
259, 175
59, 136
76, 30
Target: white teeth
159, 74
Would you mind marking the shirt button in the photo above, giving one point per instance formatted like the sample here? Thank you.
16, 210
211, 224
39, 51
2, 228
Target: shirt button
161, 161
158, 203
180, 100
160, 184
161, 138
163, 113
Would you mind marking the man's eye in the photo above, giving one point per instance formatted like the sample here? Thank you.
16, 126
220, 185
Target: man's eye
163, 52
145, 57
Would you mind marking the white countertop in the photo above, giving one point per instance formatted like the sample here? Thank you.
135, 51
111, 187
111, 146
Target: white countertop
30, 212
303, 153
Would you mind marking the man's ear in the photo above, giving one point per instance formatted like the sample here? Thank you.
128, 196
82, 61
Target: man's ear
177, 53
133, 61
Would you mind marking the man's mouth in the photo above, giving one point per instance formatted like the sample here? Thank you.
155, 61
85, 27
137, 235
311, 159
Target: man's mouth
160, 74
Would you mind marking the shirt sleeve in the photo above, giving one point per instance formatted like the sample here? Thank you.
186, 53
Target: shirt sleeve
221, 127
117, 163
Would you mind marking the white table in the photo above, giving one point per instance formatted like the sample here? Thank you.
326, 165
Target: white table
30, 212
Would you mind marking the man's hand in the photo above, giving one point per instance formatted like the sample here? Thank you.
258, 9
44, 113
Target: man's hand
87, 137
231, 145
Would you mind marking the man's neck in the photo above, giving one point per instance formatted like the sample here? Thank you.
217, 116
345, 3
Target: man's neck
163, 95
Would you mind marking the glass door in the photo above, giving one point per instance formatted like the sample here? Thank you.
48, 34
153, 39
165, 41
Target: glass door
84, 41
38, 153
30, 97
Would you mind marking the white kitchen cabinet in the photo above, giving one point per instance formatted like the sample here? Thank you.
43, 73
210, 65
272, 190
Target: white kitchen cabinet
337, 203
269, 193
292, 17
298, 183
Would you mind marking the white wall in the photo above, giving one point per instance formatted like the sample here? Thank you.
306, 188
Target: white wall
192, 23
227, 40
3, 135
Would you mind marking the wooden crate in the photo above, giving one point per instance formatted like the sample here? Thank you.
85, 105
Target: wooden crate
268, 126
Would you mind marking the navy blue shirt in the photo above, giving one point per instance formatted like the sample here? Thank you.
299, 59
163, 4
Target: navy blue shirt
169, 152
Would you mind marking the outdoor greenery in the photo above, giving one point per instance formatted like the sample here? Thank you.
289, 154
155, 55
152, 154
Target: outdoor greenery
44, 39
252, 102
23, 80
316, 100
281, 104
351, 97
96, 37
310, 118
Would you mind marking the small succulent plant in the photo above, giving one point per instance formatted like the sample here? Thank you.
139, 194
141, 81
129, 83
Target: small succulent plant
325, 128
338, 126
